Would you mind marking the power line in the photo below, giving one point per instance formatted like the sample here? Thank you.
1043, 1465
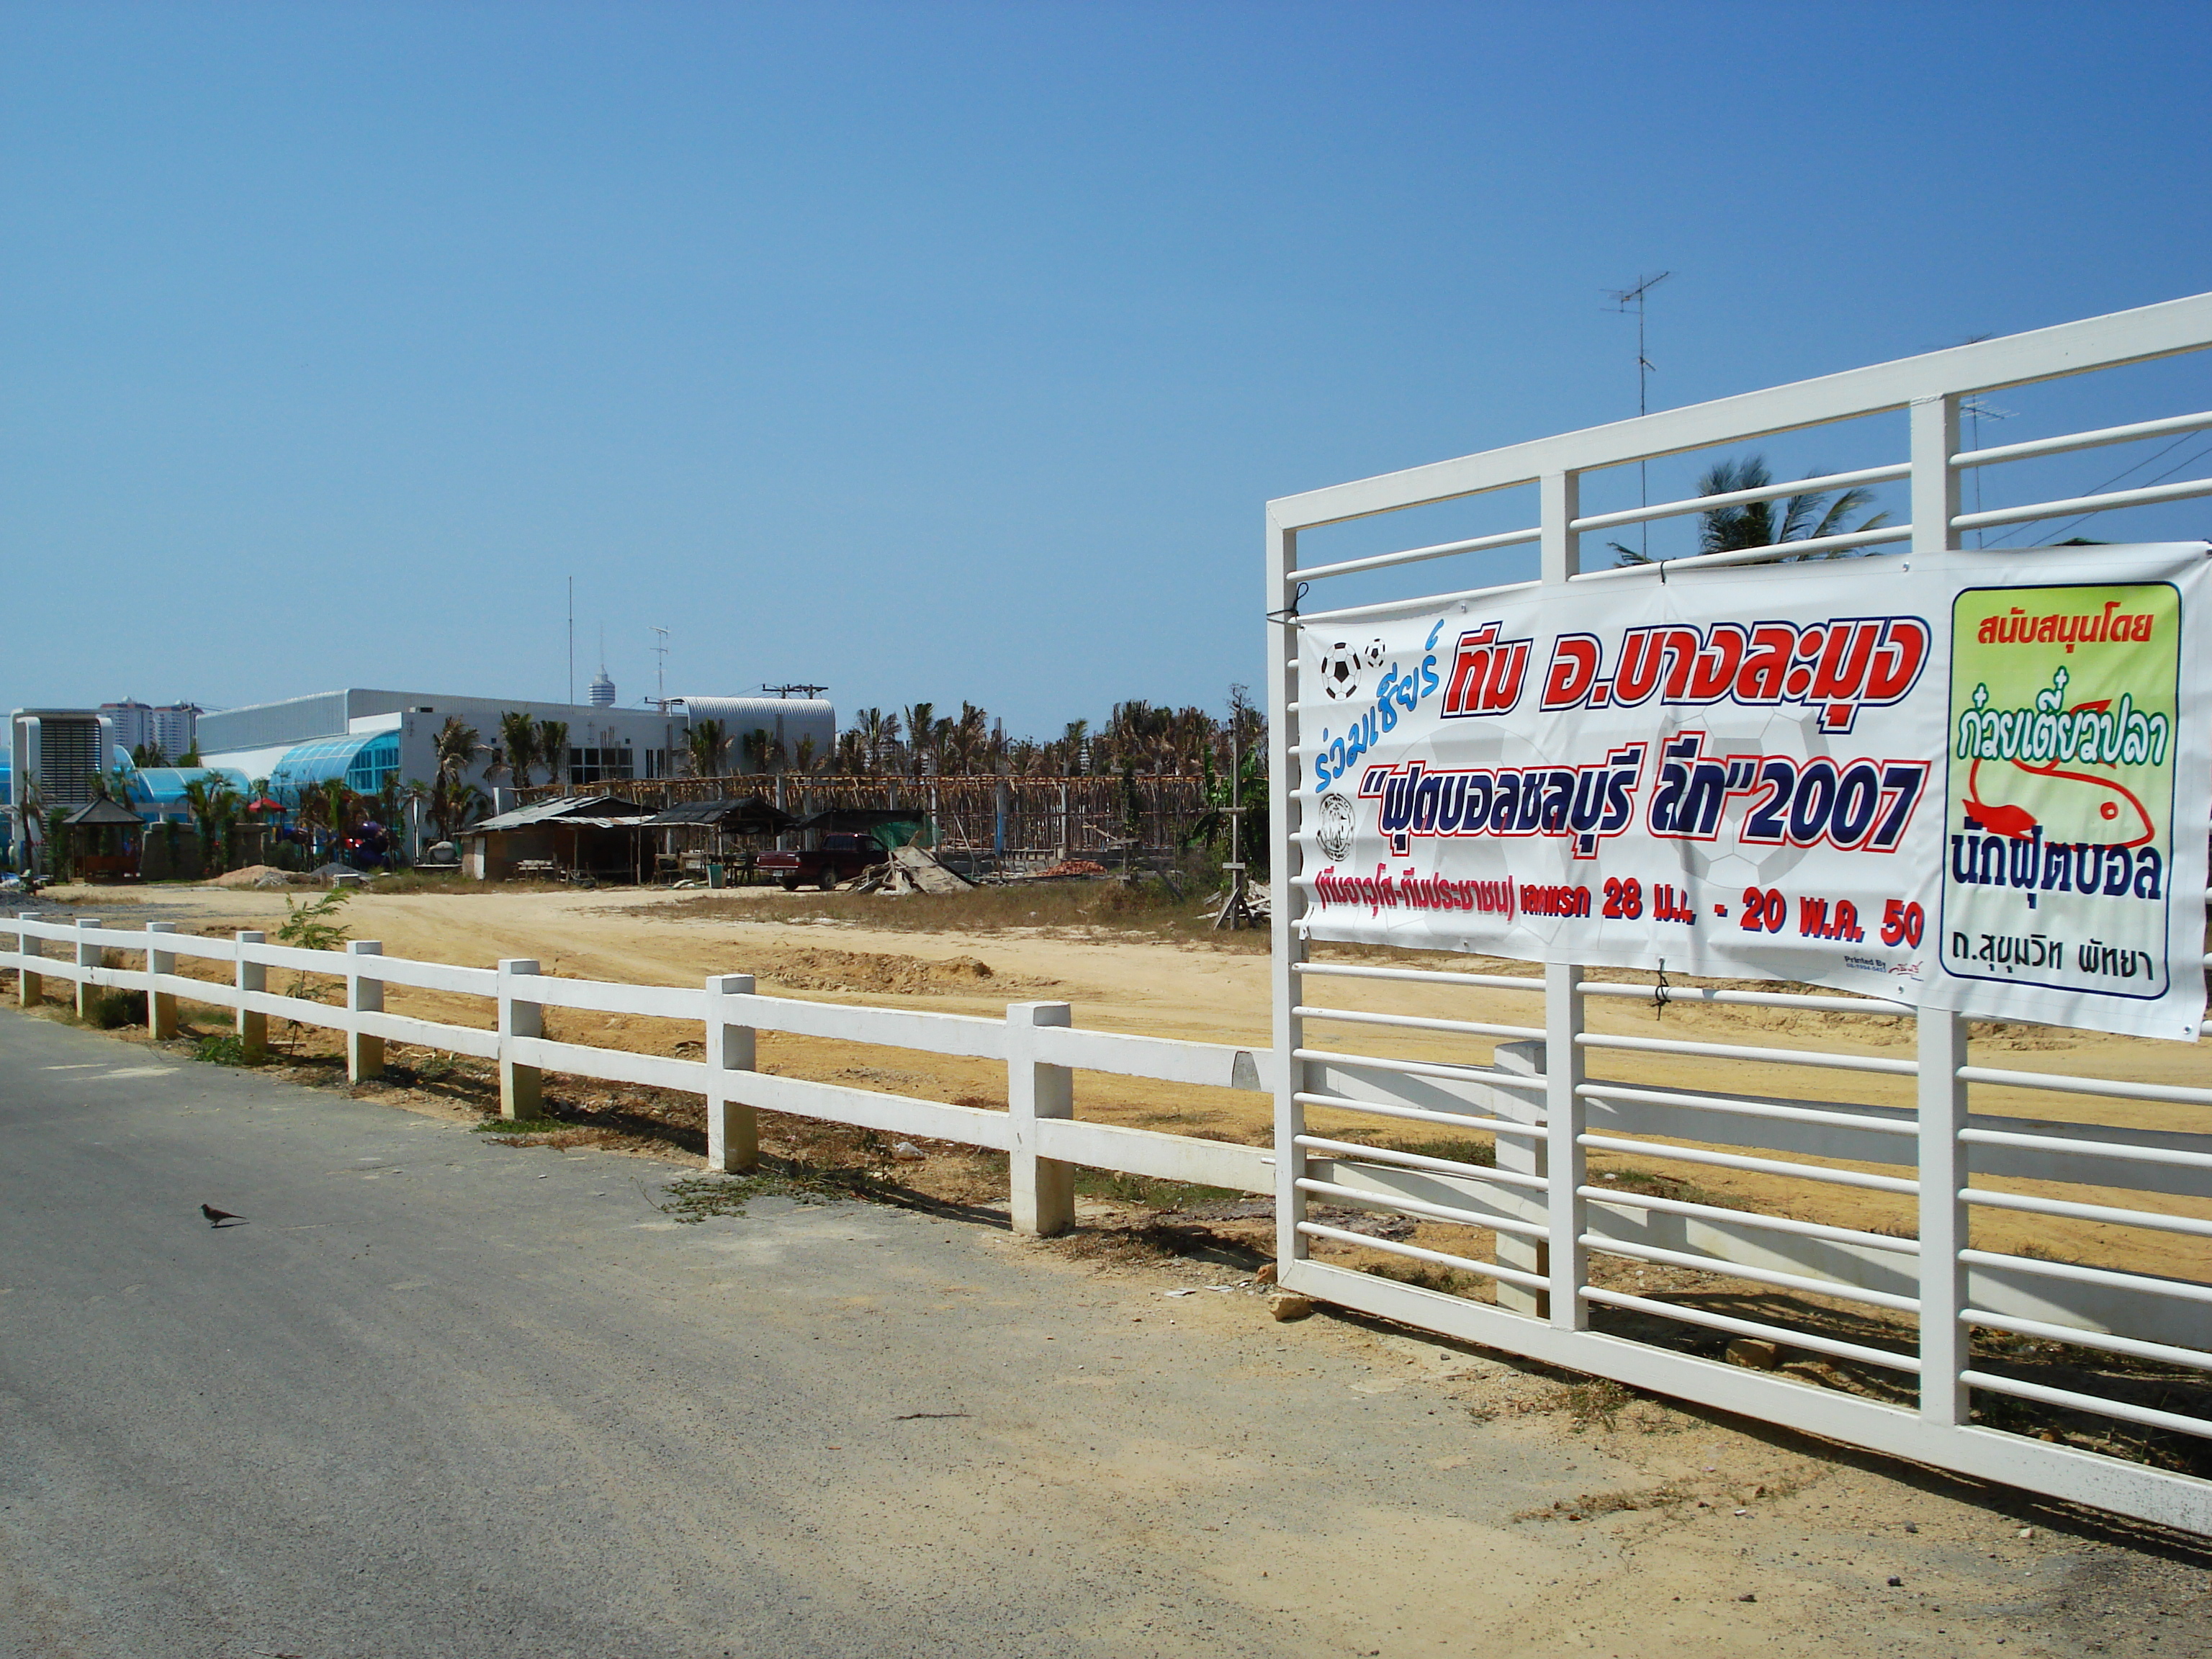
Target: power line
2148, 461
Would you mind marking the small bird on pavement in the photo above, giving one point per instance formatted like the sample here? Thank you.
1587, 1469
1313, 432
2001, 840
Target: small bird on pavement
217, 1218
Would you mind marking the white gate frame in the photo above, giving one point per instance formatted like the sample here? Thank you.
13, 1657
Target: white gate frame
1555, 1210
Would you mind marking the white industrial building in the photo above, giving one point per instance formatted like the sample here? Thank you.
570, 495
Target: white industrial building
53, 755
365, 736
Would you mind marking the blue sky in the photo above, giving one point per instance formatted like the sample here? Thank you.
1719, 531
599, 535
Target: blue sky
952, 351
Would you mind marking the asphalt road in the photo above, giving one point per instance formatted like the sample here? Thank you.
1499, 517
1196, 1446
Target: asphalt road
435, 1396
438, 1396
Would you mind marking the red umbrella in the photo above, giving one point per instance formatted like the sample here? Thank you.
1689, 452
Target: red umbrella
265, 805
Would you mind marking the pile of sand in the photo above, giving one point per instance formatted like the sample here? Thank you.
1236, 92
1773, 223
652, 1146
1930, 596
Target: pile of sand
256, 875
868, 970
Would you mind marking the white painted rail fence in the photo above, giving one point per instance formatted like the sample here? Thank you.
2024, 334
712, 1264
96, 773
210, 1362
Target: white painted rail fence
1041, 1050
1546, 1115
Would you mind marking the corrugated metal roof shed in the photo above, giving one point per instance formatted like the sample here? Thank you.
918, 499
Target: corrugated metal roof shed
600, 812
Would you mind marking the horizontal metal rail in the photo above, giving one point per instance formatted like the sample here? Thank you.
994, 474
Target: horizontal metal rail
1418, 1023
1416, 1114
1902, 1128
1421, 975
1356, 1152
1416, 555
2045, 1395
1388, 607
2157, 1221
1782, 1335
1778, 1224
2043, 1331
1421, 1253
2171, 1094
2165, 1155
2184, 490
1865, 474
1766, 555
1713, 1264
1504, 1224
1868, 1006
2109, 435
1752, 1165
1728, 1051
1436, 1068
2167, 329
2174, 1289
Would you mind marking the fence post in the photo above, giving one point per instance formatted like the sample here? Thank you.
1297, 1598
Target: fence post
732, 1128
30, 987
1565, 1111
88, 957
251, 978
160, 1006
1044, 1188
1944, 1349
364, 996
1523, 1155
521, 1088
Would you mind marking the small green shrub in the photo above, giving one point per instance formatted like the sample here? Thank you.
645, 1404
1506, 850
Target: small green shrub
107, 1010
224, 1048
314, 926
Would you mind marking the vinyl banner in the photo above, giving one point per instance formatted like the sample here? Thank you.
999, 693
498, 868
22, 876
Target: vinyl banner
1980, 781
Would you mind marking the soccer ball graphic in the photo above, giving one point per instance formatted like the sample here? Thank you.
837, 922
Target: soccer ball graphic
1335, 829
1341, 666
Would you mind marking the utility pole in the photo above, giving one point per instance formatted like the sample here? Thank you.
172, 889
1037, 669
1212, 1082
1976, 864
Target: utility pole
1624, 300
1236, 909
572, 639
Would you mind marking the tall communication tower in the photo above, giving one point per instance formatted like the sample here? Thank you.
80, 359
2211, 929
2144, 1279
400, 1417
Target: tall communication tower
1631, 299
660, 680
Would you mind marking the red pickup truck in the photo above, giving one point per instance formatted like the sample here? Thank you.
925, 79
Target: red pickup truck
840, 858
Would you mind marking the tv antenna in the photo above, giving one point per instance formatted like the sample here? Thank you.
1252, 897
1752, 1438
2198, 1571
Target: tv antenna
1977, 409
1628, 299
661, 650
800, 690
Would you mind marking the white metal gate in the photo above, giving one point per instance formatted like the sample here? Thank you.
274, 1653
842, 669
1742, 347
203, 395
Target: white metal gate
1944, 1338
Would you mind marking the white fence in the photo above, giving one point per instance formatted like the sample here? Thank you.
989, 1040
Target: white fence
1537, 1102
1041, 1049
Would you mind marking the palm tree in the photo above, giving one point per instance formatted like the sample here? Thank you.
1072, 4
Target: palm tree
518, 746
1809, 517
851, 755
453, 805
707, 744
878, 735
1078, 733
966, 739
553, 750
920, 727
455, 746
213, 803
759, 746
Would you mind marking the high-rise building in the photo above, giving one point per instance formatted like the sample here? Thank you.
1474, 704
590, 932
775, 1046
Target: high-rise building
173, 727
